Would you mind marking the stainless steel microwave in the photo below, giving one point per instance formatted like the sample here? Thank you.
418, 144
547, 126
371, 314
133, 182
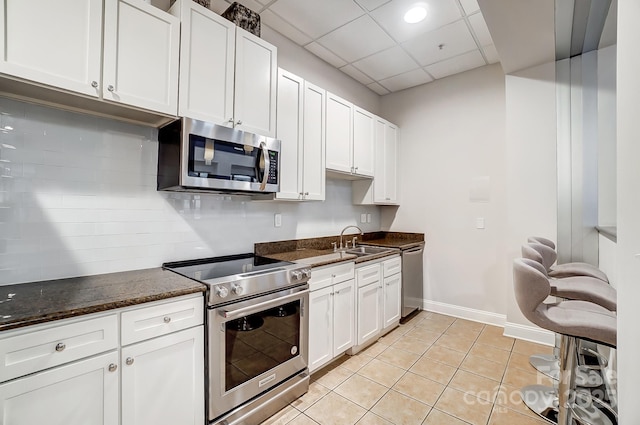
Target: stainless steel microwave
199, 156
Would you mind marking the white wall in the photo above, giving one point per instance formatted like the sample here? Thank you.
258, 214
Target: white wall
452, 131
607, 136
78, 197
531, 172
628, 209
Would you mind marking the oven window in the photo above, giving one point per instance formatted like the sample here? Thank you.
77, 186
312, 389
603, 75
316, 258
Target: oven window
257, 343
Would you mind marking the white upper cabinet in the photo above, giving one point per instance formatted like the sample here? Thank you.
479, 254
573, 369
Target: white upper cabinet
350, 147
289, 130
207, 52
313, 161
363, 142
57, 43
300, 127
228, 76
383, 189
255, 84
141, 51
339, 130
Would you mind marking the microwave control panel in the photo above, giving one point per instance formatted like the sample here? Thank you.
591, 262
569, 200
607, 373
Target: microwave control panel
273, 168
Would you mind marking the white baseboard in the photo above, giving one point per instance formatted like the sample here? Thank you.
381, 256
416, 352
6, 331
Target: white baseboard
529, 333
465, 313
514, 330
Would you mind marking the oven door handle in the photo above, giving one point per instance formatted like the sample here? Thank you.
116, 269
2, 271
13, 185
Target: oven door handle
245, 311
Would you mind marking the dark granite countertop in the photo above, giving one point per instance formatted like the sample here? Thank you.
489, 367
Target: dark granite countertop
318, 251
30, 303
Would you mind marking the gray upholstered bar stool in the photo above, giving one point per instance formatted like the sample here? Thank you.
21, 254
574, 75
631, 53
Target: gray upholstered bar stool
571, 319
550, 256
583, 288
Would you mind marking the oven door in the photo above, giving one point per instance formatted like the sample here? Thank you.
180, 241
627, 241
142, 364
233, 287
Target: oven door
254, 345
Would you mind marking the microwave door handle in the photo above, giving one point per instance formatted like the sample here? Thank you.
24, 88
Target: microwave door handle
267, 166
245, 311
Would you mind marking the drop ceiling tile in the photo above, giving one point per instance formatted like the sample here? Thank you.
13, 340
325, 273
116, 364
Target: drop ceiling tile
283, 27
378, 89
480, 28
470, 6
357, 39
491, 53
439, 13
356, 74
406, 80
456, 65
455, 39
316, 18
325, 55
371, 4
386, 64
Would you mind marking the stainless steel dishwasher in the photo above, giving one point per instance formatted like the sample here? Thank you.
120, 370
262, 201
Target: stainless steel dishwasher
412, 279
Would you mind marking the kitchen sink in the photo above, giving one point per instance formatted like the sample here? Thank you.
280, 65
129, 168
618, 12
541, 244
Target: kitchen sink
363, 250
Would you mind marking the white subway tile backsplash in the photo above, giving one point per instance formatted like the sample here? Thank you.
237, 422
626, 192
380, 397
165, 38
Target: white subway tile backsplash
79, 197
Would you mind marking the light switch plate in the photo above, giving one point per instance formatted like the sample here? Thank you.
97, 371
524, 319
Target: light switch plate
480, 223
277, 220
363, 218
368, 218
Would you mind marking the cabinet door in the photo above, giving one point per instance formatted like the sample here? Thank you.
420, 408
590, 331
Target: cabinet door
141, 53
255, 84
207, 52
339, 134
163, 380
380, 175
320, 327
289, 124
369, 314
363, 142
391, 163
80, 393
57, 43
391, 309
343, 317
313, 163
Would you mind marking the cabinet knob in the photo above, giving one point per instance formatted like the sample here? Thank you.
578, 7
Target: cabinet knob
388, 199
337, 292
60, 347
129, 361
306, 194
239, 122
167, 319
113, 367
94, 84
110, 88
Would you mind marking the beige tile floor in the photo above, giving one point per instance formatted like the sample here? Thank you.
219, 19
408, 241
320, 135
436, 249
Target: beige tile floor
433, 370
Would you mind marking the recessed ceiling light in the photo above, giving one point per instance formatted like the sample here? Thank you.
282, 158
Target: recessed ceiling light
415, 15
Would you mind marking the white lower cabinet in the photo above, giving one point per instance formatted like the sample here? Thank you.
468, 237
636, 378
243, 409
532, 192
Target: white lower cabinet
162, 380
73, 372
84, 392
378, 302
331, 313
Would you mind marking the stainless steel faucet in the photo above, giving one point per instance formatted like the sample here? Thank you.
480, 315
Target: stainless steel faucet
342, 233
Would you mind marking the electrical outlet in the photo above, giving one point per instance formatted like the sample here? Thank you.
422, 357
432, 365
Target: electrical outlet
277, 220
480, 223
368, 217
363, 218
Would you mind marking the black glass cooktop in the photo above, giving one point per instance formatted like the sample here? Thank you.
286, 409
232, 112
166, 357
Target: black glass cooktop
219, 267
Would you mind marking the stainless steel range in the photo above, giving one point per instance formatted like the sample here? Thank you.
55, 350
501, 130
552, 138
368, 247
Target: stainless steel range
257, 334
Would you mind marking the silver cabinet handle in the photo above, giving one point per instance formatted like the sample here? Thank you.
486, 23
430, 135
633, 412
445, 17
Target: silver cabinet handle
129, 361
94, 84
167, 319
337, 292
60, 347
230, 120
306, 194
113, 367
239, 122
110, 88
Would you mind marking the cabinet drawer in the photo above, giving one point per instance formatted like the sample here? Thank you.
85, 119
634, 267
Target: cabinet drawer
322, 277
47, 346
368, 275
392, 266
150, 322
